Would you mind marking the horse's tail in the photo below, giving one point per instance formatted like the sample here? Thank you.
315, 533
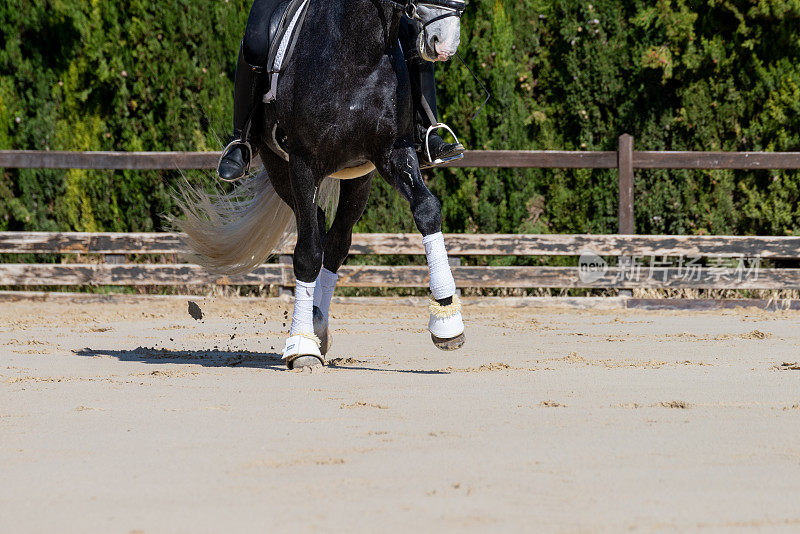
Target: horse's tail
232, 233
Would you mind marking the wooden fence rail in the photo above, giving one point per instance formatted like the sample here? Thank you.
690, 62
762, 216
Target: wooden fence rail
624, 275
736, 263
625, 159
787, 247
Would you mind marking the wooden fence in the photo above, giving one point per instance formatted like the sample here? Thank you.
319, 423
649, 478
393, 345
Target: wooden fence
735, 265
730, 262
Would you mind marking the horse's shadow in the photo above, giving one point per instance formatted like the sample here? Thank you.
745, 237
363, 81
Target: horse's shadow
222, 358
205, 358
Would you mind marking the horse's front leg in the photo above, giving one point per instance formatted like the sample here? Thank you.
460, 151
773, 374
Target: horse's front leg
401, 168
303, 347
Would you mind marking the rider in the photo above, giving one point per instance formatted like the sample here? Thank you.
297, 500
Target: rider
249, 89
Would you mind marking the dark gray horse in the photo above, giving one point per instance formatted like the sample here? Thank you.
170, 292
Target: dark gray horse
344, 102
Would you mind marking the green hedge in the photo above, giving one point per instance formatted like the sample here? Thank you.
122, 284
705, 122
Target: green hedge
705, 75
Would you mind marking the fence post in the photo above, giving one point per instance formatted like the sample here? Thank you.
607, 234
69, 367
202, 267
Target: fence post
625, 164
285, 291
626, 220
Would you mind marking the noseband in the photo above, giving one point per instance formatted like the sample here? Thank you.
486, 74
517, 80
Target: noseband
456, 8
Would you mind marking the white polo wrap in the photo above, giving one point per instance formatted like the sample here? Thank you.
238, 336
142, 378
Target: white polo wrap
303, 316
323, 292
442, 283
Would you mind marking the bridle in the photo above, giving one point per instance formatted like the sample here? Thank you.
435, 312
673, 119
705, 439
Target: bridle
456, 8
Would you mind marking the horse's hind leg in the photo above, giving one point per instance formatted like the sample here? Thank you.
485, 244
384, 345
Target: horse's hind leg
401, 168
303, 347
353, 198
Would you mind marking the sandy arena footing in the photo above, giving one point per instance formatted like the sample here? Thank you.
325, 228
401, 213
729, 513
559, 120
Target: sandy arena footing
130, 416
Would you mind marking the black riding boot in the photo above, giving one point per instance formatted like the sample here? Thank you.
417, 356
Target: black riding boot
432, 149
235, 161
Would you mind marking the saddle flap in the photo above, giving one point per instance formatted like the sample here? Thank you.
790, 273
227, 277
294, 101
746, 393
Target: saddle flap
275, 22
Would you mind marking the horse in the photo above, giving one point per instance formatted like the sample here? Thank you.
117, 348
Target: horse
344, 105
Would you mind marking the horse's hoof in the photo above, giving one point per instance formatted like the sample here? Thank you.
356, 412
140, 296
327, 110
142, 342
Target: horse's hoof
322, 331
449, 344
301, 362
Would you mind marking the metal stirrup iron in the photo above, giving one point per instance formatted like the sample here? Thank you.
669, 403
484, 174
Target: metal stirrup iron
432, 129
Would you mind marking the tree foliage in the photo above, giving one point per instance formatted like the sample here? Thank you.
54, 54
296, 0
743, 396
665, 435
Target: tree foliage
678, 75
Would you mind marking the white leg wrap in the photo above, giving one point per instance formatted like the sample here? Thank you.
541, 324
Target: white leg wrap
303, 316
323, 291
442, 283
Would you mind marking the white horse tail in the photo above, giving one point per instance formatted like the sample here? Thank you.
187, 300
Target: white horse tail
232, 233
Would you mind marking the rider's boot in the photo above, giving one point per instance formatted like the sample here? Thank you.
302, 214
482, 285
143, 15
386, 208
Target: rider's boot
237, 156
432, 149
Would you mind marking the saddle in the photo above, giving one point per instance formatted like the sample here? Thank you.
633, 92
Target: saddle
284, 28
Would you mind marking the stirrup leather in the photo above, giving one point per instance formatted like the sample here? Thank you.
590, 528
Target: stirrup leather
440, 161
227, 149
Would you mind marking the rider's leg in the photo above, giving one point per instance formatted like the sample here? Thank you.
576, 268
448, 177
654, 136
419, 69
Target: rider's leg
247, 91
423, 86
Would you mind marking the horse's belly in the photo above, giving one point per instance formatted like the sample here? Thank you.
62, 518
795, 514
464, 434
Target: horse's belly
349, 173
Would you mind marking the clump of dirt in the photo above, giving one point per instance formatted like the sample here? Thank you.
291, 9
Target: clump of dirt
486, 367
576, 359
680, 405
25, 342
339, 362
362, 405
194, 311
296, 462
552, 404
756, 334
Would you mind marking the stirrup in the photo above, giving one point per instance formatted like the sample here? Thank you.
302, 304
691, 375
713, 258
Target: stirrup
440, 161
225, 151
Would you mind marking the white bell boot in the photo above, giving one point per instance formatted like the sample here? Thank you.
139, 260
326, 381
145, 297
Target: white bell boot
446, 325
302, 350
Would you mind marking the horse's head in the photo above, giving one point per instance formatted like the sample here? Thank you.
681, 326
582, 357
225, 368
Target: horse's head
441, 27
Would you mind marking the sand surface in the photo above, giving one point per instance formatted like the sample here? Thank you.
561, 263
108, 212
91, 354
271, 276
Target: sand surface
133, 417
